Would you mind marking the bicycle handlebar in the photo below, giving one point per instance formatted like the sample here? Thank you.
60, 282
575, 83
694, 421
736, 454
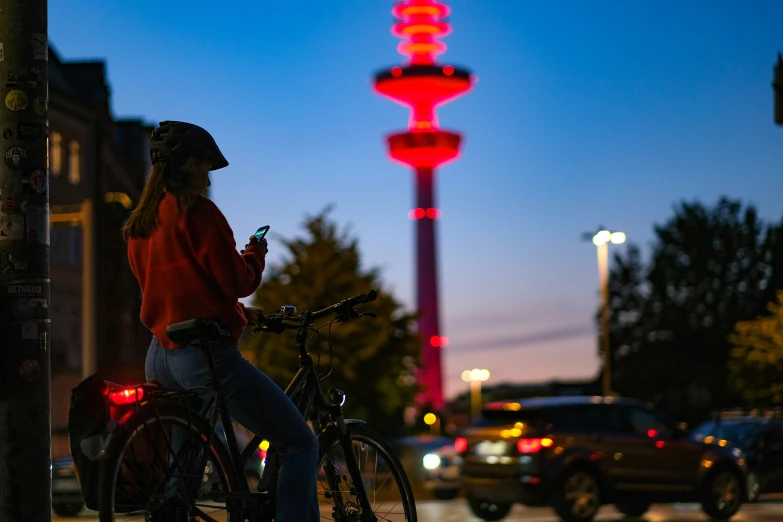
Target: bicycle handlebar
275, 322
351, 301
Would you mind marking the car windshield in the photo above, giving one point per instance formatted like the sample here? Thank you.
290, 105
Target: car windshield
739, 434
533, 418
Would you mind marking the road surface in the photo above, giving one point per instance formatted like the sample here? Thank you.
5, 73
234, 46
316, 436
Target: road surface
457, 511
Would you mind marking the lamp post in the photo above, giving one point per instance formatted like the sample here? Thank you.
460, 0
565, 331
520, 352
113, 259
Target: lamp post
475, 377
601, 240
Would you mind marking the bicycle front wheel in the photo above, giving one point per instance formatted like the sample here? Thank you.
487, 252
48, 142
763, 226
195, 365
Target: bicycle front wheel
157, 472
387, 486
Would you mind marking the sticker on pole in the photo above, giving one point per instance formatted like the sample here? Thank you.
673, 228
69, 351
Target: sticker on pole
28, 131
38, 181
37, 219
16, 157
40, 47
16, 100
39, 106
30, 370
30, 331
11, 226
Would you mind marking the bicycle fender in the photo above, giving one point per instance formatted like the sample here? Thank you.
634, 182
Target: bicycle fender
331, 433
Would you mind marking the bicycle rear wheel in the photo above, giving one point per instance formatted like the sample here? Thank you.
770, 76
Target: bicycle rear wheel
156, 472
388, 490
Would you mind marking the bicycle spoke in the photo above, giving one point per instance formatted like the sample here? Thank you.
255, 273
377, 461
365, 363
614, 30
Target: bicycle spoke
386, 499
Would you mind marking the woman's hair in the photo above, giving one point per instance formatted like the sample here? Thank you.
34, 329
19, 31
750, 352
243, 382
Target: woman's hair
164, 177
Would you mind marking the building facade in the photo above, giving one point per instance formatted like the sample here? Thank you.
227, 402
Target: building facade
97, 169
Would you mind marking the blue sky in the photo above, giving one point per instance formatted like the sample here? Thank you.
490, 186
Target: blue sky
585, 113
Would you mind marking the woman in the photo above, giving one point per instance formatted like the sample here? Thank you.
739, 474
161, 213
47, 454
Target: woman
182, 251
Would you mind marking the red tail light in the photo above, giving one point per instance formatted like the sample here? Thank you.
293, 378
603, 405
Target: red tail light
126, 396
461, 444
527, 446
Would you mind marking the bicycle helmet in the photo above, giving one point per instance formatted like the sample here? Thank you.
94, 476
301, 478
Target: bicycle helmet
177, 140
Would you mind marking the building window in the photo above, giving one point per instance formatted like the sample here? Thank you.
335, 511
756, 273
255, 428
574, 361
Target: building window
56, 153
75, 247
74, 161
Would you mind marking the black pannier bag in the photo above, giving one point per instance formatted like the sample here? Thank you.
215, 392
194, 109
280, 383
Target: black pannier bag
92, 420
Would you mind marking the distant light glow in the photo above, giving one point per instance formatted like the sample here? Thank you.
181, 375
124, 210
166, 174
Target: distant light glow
461, 444
420, 213
438, 341
475, 374
430, 419
618, 237
602, 237
430, 461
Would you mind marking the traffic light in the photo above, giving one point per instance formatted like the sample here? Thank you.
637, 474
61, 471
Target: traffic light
777, 86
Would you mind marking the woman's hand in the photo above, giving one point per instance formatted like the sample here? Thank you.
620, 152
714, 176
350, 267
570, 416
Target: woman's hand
254, 315
260, 245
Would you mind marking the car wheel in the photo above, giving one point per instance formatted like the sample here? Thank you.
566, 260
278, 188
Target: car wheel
578, 497
753, 487
487, 509
722, 495
633, 509
68, 509
445, 493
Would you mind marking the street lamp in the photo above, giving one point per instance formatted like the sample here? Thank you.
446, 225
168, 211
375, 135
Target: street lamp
475, 377
601, 239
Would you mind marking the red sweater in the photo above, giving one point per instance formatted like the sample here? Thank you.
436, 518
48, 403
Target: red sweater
189, 268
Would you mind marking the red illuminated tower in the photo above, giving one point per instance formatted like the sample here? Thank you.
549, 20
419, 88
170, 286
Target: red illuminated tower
422, 85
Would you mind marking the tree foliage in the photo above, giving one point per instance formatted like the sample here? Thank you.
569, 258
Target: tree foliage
756, 364
374, 359
709, 268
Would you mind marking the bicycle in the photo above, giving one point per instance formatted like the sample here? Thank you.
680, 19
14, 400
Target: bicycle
153, 417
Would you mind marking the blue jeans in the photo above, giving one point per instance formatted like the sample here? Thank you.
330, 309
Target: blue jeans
258, 404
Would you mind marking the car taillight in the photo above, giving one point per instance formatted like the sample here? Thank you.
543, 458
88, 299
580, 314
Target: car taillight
126, 396
528, 446
461, 444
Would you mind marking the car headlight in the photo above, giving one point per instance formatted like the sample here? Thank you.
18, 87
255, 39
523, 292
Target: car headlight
431, 461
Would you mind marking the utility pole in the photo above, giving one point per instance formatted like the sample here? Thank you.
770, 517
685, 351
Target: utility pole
25, 377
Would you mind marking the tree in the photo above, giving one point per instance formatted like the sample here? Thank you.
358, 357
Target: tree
756, 364
374, 360
709, 269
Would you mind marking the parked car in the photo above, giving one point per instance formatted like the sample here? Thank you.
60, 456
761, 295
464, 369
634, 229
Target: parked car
67, 500
412, 452
577, 453
442, 472
759, 439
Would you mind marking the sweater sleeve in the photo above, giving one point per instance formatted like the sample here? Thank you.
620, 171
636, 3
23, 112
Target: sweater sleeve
212, 241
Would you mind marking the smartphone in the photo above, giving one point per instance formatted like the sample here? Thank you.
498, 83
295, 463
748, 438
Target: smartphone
261, 232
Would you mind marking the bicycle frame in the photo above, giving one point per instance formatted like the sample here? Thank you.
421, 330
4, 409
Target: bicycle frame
304, 389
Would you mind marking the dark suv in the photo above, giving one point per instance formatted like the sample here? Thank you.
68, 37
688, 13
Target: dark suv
577, 453
760, 441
